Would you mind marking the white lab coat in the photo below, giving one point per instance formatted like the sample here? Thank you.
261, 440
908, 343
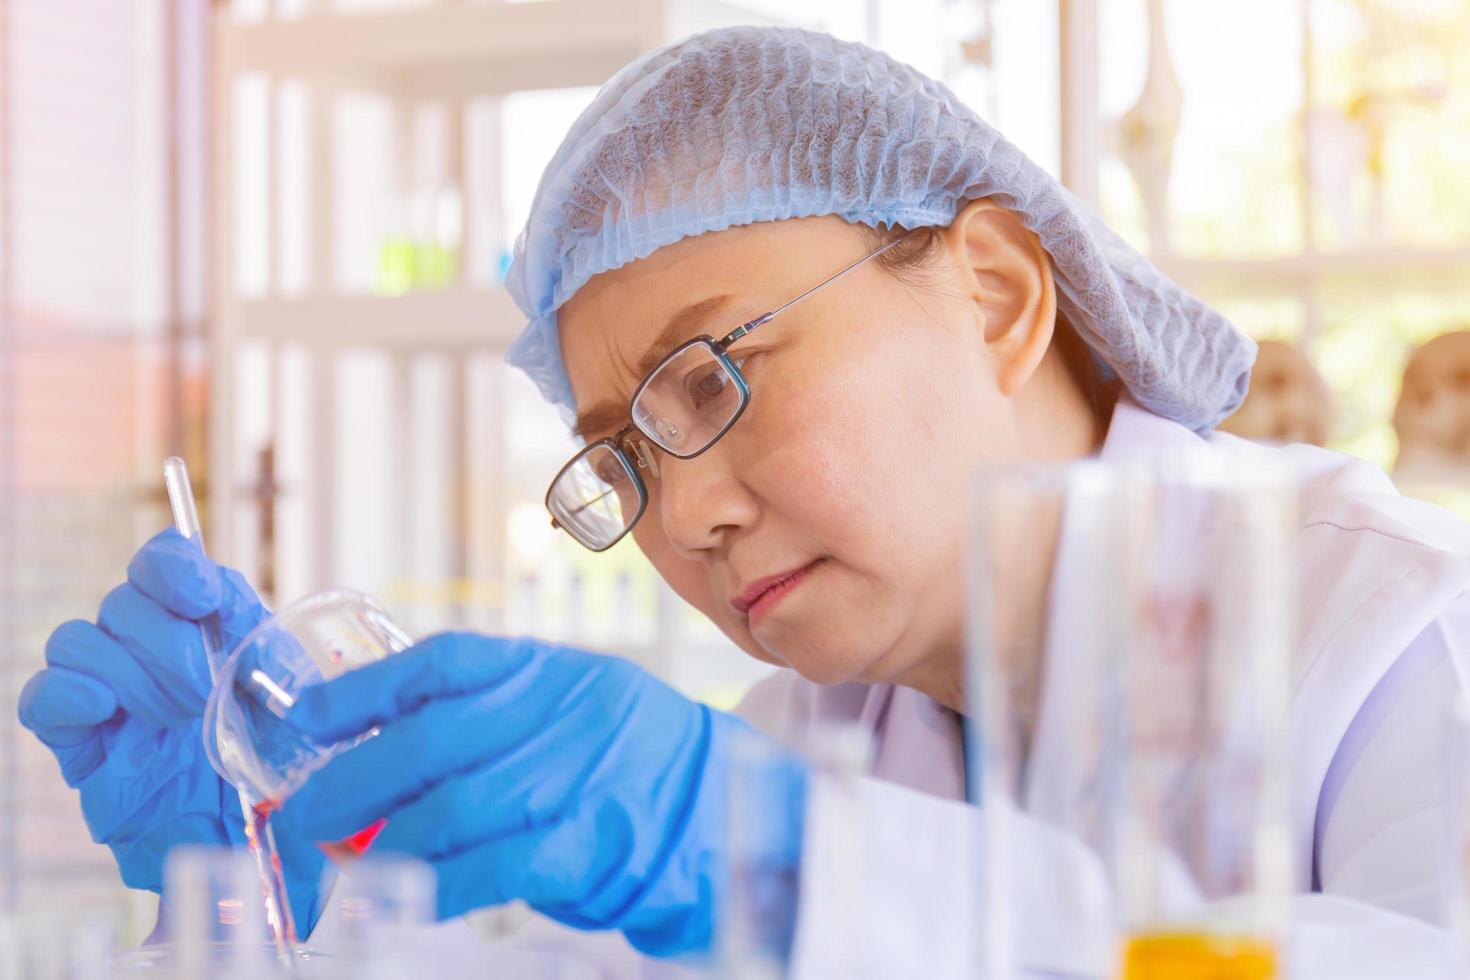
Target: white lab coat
1381, 661
890, 859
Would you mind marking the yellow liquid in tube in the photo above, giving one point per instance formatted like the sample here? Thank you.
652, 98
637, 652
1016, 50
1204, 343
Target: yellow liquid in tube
1197, 956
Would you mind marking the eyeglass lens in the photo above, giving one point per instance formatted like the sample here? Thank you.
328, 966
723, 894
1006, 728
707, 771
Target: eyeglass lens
597, 497
682, 407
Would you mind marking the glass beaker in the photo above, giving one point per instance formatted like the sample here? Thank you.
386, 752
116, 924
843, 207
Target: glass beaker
311, 641
246, 735
1130, 632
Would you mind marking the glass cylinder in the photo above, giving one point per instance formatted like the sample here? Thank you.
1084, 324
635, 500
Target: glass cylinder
215, 916
252, 744
765, 807
1130, 629
1456, 887
385, 908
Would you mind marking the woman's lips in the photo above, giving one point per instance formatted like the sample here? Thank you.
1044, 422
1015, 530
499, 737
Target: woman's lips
763, 595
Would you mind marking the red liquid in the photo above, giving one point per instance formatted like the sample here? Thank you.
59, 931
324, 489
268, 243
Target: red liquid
273, 880
355, 845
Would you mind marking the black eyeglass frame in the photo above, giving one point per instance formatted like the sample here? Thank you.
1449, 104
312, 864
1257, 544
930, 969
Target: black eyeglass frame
719, 348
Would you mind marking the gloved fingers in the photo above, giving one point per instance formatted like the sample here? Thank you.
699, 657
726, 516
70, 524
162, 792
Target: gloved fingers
550, 868
447, 665
565, 717
174, 572
468, 809
240, 610
165, 647
441, 821
62, 706
153, 777
393, 768
513, 748
85, 648
484, 875
64, 710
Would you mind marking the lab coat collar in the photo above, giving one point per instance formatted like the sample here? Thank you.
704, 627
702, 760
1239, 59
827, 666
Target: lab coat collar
1135, 431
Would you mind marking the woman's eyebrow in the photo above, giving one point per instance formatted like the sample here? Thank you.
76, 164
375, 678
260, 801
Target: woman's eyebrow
681, 326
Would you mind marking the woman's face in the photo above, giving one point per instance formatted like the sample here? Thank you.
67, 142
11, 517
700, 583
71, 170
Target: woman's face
871, 401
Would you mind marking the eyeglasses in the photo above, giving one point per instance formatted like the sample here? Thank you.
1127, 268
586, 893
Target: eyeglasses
682, 407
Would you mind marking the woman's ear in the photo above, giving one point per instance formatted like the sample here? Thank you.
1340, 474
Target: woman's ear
1008, 276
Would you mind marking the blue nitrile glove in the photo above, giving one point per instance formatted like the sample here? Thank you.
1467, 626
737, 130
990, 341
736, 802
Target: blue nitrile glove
521, 770
120, 704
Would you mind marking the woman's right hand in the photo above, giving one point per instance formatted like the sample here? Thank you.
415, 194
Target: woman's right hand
120, 704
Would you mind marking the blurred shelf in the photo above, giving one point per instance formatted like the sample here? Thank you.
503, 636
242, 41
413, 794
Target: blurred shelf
1347, 273
449, 51
442, 319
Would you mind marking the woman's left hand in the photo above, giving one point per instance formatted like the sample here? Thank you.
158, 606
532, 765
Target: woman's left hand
522, 770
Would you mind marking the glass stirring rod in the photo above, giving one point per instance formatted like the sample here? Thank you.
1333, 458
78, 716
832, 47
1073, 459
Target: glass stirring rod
186, 522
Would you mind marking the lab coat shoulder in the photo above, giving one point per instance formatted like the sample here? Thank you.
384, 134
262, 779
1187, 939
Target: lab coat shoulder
1376, 567
1377, 570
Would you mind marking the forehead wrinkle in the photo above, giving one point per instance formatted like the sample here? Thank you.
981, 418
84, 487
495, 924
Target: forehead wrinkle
680, 327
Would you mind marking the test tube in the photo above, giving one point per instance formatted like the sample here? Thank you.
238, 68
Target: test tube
186, 521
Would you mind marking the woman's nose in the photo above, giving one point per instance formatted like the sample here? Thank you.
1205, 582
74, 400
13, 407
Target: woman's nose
701, 500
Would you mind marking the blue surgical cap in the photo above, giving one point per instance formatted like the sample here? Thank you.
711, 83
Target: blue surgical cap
749, 124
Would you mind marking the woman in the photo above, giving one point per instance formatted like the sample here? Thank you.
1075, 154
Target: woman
890, 295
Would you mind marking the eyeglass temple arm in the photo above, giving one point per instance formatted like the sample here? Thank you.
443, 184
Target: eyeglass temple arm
764, 318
